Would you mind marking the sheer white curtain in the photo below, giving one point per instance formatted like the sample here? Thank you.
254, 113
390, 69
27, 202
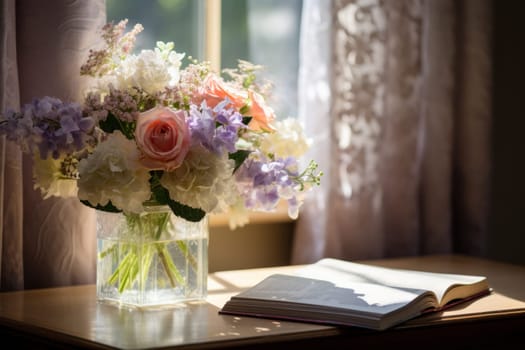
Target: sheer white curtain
398, 97
42, 45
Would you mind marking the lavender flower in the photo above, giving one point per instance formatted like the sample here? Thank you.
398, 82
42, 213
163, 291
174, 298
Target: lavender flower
51, 126
264, 181
216, 129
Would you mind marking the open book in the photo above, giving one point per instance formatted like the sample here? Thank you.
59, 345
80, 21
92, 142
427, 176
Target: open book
340, 292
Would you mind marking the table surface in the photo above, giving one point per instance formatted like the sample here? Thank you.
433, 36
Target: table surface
71, 316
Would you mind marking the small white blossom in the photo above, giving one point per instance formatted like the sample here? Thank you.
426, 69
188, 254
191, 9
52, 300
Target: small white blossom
290, 141
238, 214
51, 180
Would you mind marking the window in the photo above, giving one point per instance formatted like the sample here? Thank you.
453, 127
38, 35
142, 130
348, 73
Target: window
265, 32
164, 20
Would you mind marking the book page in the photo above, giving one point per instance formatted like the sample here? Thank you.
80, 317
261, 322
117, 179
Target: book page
356, 297
345, 273
492, 306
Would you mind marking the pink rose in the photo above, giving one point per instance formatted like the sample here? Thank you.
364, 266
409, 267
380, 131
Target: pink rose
163, 138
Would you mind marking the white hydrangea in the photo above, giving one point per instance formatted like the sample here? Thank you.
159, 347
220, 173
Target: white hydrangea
204, 180
151, 70
290, 139
50, 179
113, 173
122, 77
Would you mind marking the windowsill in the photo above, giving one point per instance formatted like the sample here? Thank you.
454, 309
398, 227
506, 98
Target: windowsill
280, 215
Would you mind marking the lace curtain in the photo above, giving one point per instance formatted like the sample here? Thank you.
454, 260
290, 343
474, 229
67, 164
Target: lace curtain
398, 96
50, 242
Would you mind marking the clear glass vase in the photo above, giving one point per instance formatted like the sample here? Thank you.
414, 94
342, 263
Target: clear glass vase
151, 259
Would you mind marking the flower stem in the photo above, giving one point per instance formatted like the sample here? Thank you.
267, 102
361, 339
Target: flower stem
144, 235
171, 270
184, 249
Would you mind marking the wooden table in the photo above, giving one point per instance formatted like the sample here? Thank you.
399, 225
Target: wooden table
70, 317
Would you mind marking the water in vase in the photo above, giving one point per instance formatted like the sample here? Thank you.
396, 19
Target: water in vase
152, 273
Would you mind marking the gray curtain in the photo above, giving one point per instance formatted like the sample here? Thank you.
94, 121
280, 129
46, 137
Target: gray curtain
52, 242
397, 95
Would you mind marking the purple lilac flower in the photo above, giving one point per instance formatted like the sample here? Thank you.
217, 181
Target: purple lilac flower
52, 126
216, 129
263, 182
202, 126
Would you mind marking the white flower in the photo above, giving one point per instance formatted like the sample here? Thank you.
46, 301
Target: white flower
238, 214
113, 173
174, 60
122, 78
150, 70
289, 141
204, 180
51, 181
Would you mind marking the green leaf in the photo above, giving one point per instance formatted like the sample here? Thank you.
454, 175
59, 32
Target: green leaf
162, 196
112, 123
239, 157
186, 212
246, 120
110, 208
154, 179
244, 109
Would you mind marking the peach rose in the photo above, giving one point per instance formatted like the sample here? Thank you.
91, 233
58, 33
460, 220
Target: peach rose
163, 138
262, 114
215, 90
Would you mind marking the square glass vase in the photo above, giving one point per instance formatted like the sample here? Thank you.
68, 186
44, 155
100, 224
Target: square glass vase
151, 259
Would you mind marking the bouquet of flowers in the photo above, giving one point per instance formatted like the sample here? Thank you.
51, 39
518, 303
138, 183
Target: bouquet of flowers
152, 131
149, 130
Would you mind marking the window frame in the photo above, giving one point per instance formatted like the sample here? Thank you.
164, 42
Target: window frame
212, 33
